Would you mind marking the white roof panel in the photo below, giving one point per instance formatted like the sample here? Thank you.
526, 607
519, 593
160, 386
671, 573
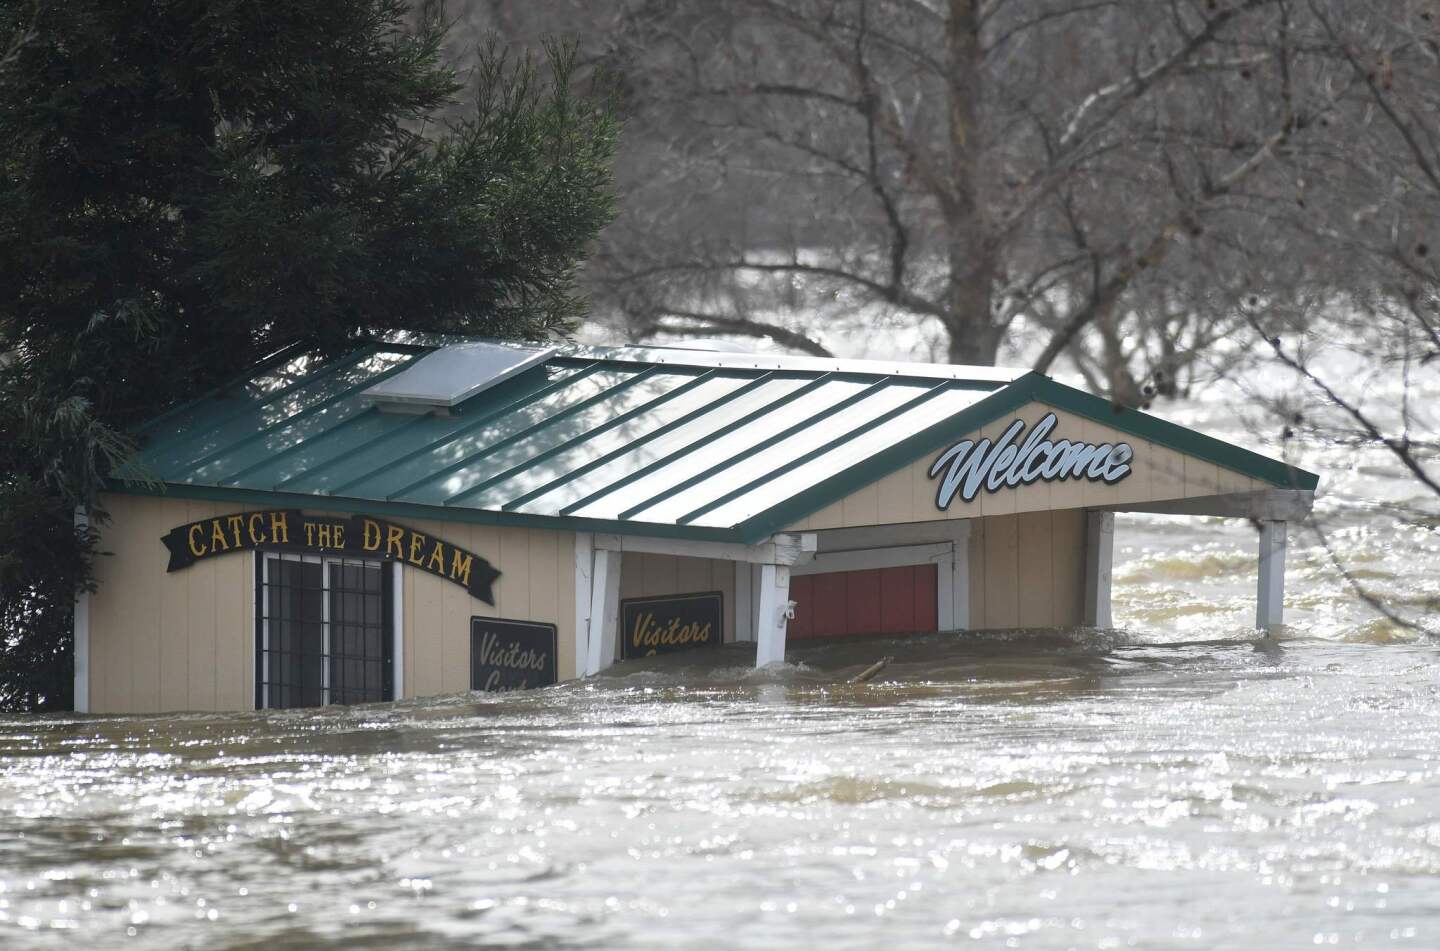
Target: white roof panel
449, 376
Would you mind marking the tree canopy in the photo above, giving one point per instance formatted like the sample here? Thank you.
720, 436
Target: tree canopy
188, 186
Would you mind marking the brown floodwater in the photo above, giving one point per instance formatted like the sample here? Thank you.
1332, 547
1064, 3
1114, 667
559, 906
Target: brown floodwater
1174, 783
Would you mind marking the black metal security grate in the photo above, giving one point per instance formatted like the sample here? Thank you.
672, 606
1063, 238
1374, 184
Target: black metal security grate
323, 631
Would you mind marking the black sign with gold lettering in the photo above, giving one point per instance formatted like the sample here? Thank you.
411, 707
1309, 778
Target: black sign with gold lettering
358, 535
675, 622
511, 655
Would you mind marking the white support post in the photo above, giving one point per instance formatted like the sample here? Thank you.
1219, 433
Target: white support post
1270, 603
754, 601
82, 634
584, 571
397, 618
604, 612
775, 609
1099, 555
945, 591
744, 601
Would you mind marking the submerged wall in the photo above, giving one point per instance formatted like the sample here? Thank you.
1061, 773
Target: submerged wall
1028, 570
186, 640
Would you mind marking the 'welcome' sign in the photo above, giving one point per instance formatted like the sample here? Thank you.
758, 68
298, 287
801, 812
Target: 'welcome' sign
671, 623
970, 466
358, 535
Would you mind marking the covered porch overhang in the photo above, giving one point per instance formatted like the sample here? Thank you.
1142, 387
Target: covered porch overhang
763, 571
1271, 509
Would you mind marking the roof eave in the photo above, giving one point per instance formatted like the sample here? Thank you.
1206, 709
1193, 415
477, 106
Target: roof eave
1031, 388
413, 510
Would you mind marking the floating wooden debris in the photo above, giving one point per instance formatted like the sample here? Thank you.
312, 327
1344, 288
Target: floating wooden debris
869, 673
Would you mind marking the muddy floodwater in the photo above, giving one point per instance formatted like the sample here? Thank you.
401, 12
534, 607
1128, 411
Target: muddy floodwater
1173, 783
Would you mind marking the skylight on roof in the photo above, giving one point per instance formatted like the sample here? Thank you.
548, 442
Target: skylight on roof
447, 377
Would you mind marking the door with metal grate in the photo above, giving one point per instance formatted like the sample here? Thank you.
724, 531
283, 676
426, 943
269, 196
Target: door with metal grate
324, 631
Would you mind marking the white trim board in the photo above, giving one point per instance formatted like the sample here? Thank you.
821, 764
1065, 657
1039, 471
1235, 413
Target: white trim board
952, 566
745, 584
782, 549
892, 536
81, 635
584, 572
867, 559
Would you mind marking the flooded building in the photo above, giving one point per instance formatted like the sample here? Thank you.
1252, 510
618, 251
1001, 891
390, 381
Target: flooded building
418, 518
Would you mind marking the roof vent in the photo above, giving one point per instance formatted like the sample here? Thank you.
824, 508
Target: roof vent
444, 378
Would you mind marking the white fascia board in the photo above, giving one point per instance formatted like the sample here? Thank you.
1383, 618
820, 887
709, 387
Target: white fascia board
870, 559
782, 549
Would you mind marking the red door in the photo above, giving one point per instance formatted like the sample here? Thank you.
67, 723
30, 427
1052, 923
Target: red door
878, 601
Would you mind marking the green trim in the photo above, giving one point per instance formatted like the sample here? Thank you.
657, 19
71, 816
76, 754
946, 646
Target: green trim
1031, 388
415, 510
1144, 426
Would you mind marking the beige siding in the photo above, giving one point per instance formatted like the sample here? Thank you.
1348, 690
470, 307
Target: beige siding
158, 641
186, 641
645, 575
1027, 570
537, 583
1157, 474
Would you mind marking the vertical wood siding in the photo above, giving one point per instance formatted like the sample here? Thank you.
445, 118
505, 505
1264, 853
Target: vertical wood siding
1027, 570
644, 575
537, 583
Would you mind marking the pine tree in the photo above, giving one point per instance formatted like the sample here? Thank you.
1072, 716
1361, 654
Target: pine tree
187, 186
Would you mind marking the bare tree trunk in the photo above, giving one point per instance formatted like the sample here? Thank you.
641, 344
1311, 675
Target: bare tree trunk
1123, 388
974, 338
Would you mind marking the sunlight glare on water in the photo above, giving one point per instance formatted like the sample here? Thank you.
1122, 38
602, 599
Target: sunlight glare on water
1176, 783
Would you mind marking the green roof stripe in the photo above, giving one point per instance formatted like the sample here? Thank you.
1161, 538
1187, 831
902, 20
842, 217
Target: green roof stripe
730, 427
249, 405
672, 426
803, 424
301, 414
401, 429
610, 392
481, 420
580, 438
287, 352
878, 466
364, 415
815, 453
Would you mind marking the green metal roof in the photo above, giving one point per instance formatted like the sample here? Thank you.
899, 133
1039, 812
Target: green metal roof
688, 443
